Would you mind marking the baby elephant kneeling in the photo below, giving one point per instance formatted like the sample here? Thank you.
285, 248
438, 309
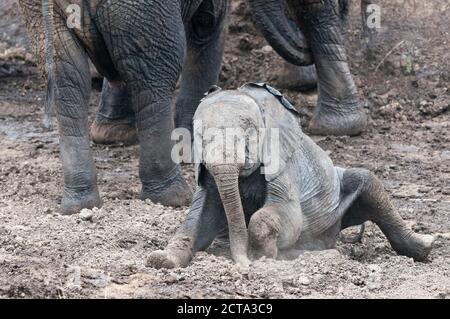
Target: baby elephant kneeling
272, 189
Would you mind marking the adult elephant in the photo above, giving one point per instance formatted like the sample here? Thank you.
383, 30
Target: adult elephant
304, 32
304, 78
139, 47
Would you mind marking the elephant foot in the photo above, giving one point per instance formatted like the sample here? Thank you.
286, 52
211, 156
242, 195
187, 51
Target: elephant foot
73, 203
338, 124
114, 133
164, 259
176, 194
297, 78
415, 246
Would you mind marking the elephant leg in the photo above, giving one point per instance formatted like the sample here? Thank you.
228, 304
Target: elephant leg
73, 82
205, 40
304, 78
148, 50
298, 78
115, 120
205, 220
273, 228
373, 204
339, 110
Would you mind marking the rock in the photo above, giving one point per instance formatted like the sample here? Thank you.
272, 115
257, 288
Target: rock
304, 281
267, 49
86, 215
170, 279
444, 236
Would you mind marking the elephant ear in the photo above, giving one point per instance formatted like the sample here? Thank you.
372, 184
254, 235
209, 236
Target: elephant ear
198, 173
199, 167
212, 90
283, 133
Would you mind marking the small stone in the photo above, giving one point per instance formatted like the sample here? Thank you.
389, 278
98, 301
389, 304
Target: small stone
170, 279
304, 281
86, 215
266, 49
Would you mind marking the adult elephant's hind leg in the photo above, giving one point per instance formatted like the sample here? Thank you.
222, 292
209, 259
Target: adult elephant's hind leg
374, 204
73, 83
205, 41
339, 110
300, 78
147, 42
115, 120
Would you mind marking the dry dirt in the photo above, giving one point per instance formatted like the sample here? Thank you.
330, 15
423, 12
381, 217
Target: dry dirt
102, 253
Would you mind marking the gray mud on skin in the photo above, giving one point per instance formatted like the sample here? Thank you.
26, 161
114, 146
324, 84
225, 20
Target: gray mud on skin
43, 254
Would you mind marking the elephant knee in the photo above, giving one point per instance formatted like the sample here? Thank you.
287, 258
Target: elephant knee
264, 226
356, 178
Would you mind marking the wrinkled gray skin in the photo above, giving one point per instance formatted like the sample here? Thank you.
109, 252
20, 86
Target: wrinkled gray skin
140, 48
304, 78
302, 206
315, 36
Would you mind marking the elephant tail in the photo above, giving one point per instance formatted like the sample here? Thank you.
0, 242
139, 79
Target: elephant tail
356, 238
49, 32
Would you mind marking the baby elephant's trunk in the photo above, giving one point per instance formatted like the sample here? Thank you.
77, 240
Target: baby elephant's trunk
226, 177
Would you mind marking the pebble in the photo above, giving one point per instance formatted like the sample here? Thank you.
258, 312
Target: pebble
444, 235
86, 215
304, 281
266, 49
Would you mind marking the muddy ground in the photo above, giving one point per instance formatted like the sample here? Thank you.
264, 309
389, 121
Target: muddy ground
102, 253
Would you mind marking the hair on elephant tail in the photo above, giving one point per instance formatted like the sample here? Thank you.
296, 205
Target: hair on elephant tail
49, 32
354, 239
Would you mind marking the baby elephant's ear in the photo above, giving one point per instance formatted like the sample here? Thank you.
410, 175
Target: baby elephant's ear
213, 89
198, 172
283, 134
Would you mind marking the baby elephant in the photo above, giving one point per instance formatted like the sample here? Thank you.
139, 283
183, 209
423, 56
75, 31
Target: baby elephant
288, 198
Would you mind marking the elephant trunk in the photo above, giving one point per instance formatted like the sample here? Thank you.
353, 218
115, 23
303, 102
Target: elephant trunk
49, 32
282, 34
227, 180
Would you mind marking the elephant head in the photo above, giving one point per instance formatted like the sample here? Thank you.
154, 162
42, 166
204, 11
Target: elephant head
226, 123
